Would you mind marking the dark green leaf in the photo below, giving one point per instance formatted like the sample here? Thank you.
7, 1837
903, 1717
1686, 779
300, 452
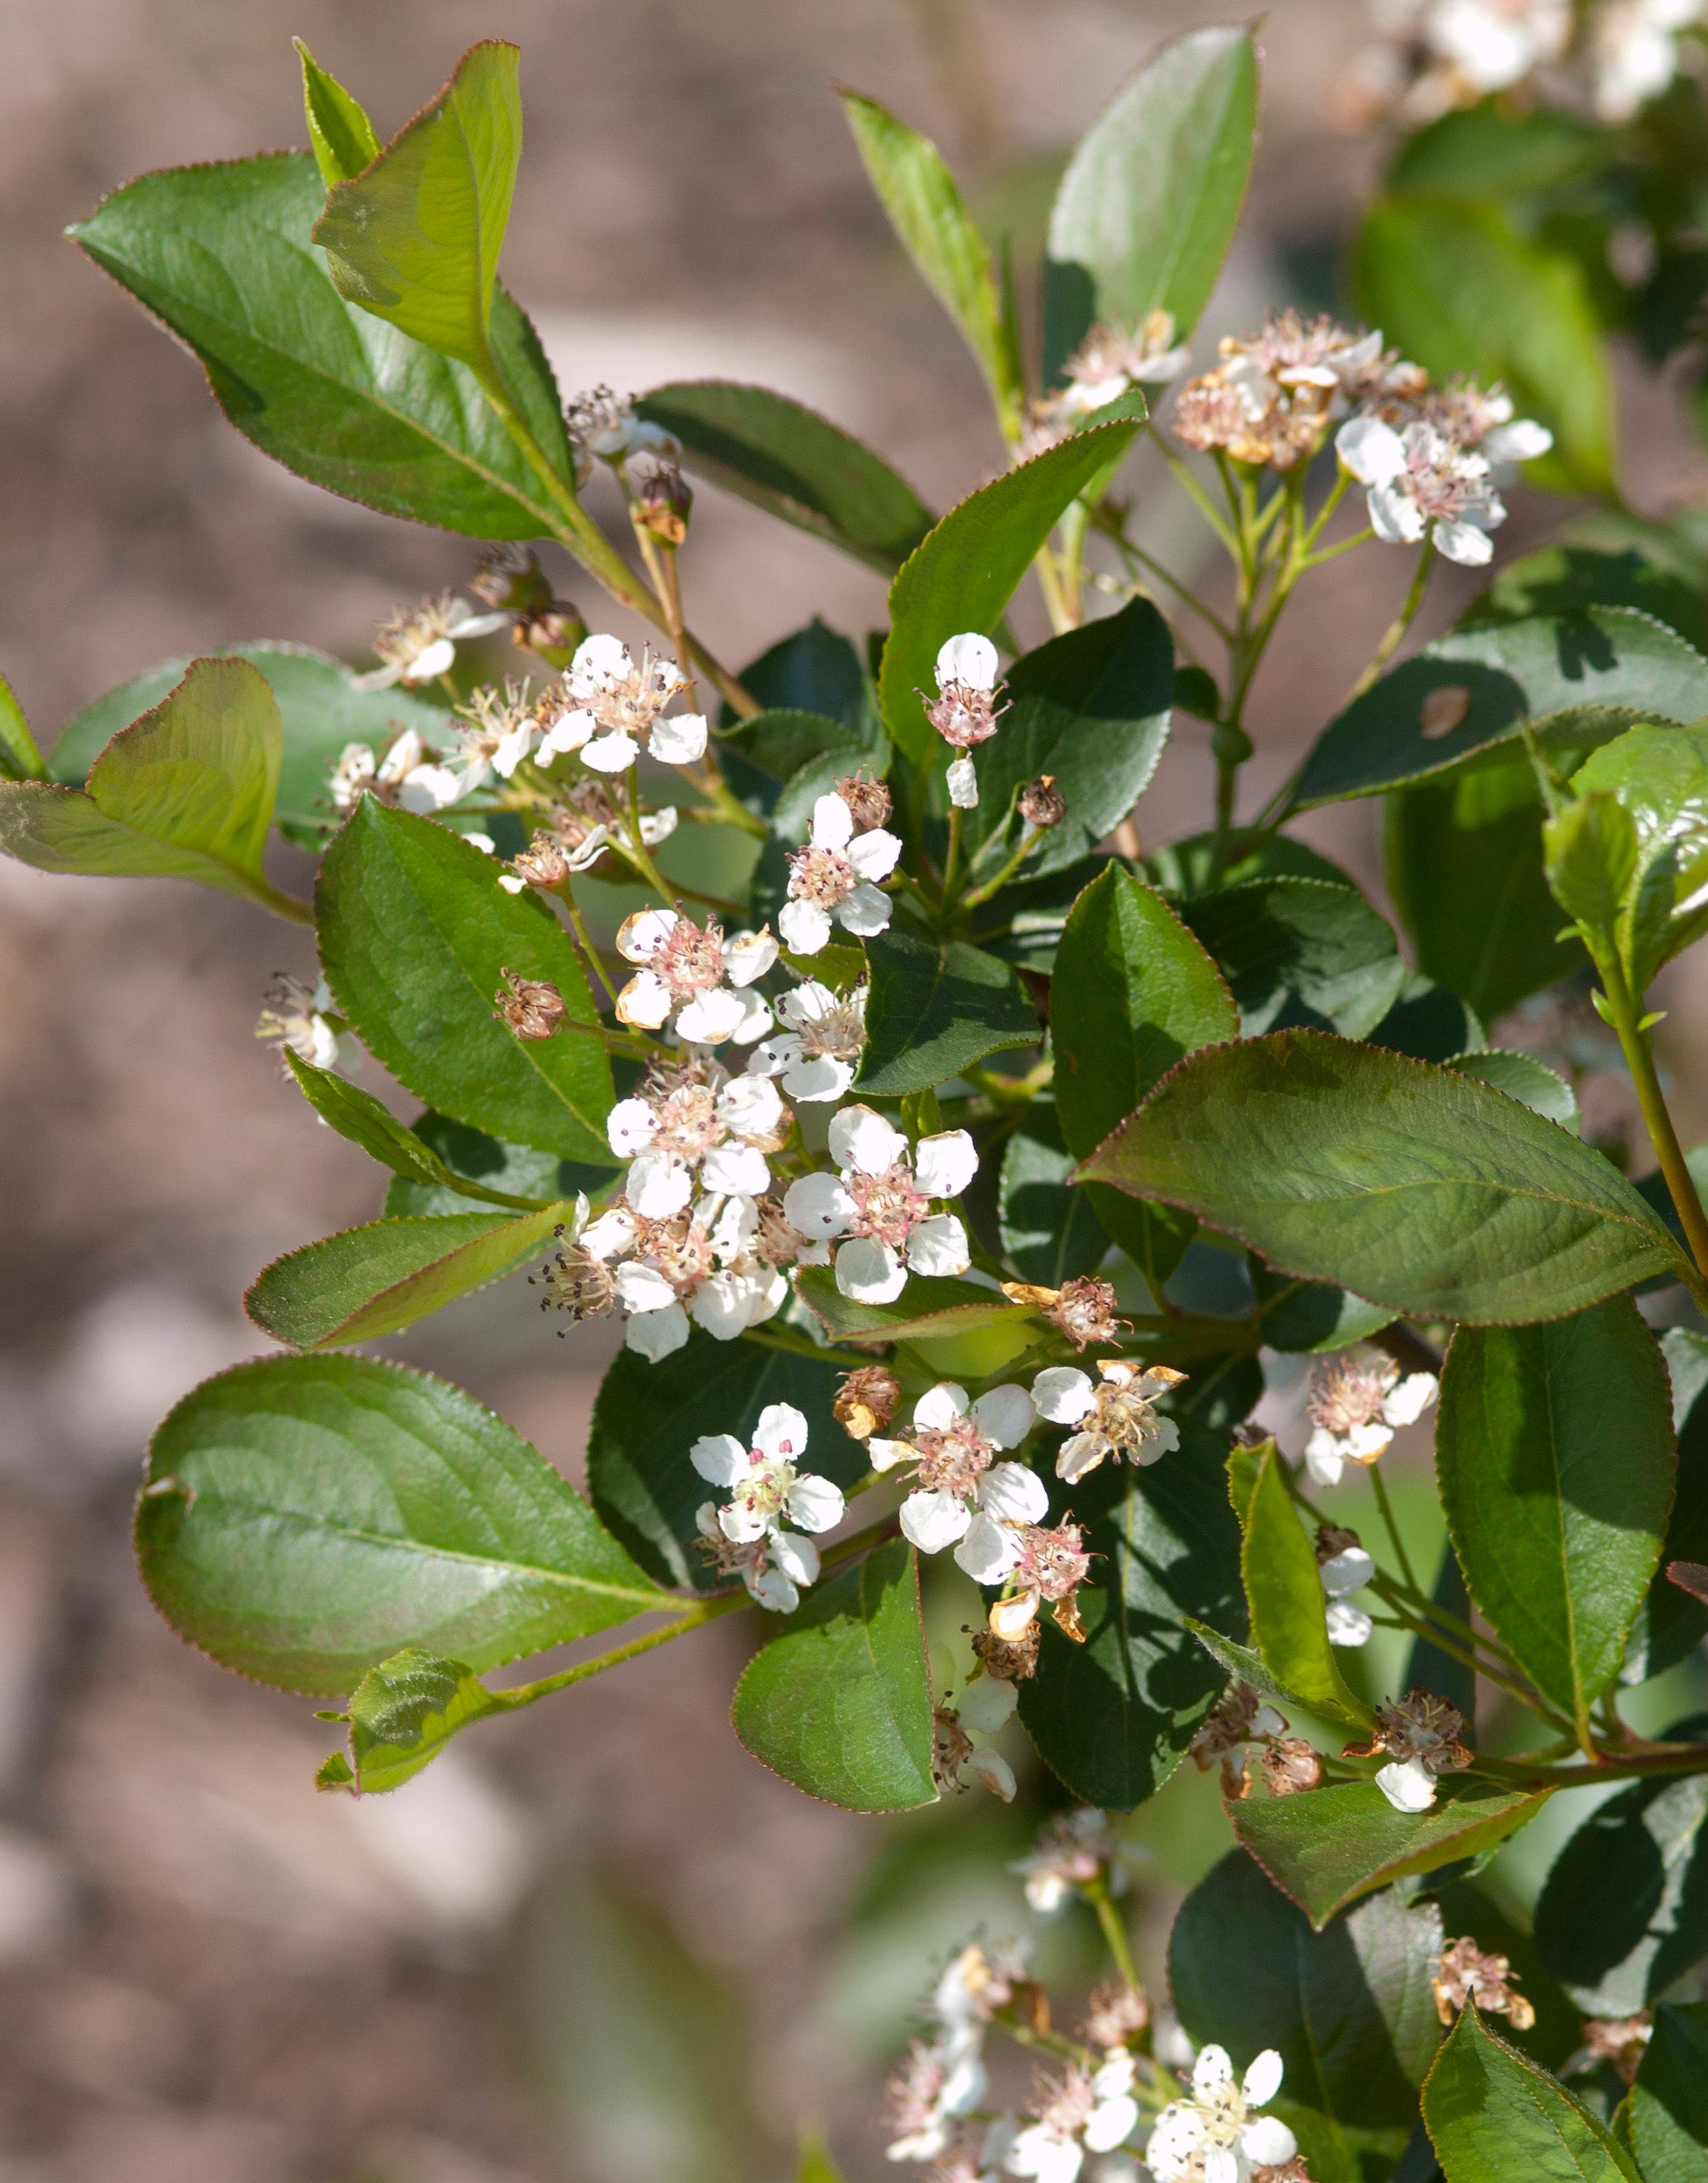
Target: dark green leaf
1555, 1456
1113, 1716
405, 1711
1669, 2102
1349, 2009
1050, 1233
1300, 951
223, 256
1429, 1022
377, 1279
840, 1702
477, 1168
358, 1116
1091, 710
20, 760
1677, 1623
1310, 1317
1624, 1913
1494, 2115
1410, 1185
1184, 868
779, 744
1555, 580
1455, 285
811, 670
927, 1310
1286, 1600
414, 931
797, 465
1605, 660
639, 1473
1521, 1076
966, 571
935, 1007
925, 209
1492, 149
339, 130
1023, 923
1148, 207
304, 1518
1328, 1848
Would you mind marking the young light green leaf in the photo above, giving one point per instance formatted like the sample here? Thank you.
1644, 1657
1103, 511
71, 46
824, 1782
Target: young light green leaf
1492, 2114
402, 1715
1479, 687
839, 1703
1286, 1601
1624, 1913
1091, 710
1555, 1455
20, 760
1521, 1076
1050, 1233
1300, 951
795, 464
1657, 778
926, 1310
373, 1280
1148, 207
1133, 993
1668, 2109
414, 933
1453, 282
1113, 1716
358, 1116
1336, 1844
304, 1518
223, 256
1411, 1185
935, 1007
1589, 853
925, 209
186, 792
339, 130
965, 574
1348, 2008
415, 238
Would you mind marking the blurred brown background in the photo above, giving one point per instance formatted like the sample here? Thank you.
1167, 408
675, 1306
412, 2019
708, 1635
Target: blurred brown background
207, 1974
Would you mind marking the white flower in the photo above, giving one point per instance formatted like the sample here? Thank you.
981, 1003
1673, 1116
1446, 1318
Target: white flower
295, 1020
1214, 2137
1421, 483
950, 1452
968, 658
765, 1481
1357, 1402
747, 956
678, 740
831, 880
419, 647
616, 708
1634, 51
963, 779
813, 1057
1407, 1784
881, 1204
1115, 1413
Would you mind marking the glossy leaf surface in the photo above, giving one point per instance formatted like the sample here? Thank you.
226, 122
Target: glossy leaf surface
1285, 1596
934, 1008
1492, 2114
1301, 951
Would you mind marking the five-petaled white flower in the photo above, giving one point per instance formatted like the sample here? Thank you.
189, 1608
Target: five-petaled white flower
831, 880
616, 707
815, 1055
1356, 1404
1420, 483
696, 1120
420, 644
1114, 1412
1214, 2137
766, 1487
682, 968
880, 1205
961, 1493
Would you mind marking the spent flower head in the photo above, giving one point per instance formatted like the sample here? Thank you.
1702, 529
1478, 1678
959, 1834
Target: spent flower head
1115, 1414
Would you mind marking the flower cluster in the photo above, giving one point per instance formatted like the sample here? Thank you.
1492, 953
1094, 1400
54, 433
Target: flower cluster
1356, 1404
1216, 2136
942, 2077
419, 644
832, 881
616, 708
583, 823
1110, 362
1420, 1734
603, 424
965, 712
878, 1208
1420, 483
747, 1535
1463, 1972
680, 979
1270, 398
1082, 2111
407, 773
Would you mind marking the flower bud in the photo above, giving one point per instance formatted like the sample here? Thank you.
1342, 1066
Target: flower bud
867, 1400
531, 1007
868, 801
1041, 803
555, 633
664, 504
511, 580
543, 863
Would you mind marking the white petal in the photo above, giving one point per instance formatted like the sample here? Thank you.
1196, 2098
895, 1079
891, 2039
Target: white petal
1005, 1415
813, 1082
781, 1433
749, 1106
986, 1707
1008, 1619
869, 1272
611, 753
832, 821
817, 1205
1465, 544
567, 733
510, 885
937, 1247
1408, 1786
1222, 2166
643, 1289
657, 1186
657, 826
1347, 1624
809, 1003
863, 1140
629, 1127
599, 659
886, 1454
719, 1457
1211, 2072
484, 843
429, 788
863, 913
773, 1056
773, 1590
742, 1523
613, 1232
1410, 1399
1323, 1457
1395, 520
1014, 1494
932, 1521
644, 1002
795, 1557
1080, 1453
1372, 451
1349, 1570
1115, 2077
1267, 2142
756, 1019
1111, 2123
1263, 2081
658, 1333
988, 1552
639, 938
735, 1170
941, 1406
1522, 442
970, 658
961, 781
994, 1772
805, 928
1064, 1394
816, 1503
679, 740
945, 1164
748, 955
710, 1018
722, 1306
430, 661
873, 855
512, 749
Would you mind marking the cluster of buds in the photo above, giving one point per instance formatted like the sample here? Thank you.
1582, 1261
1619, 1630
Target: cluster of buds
1108, 363
1274, 392
1464, 1972
965, 712
748, 1535
691, 977
878, 1210
1356, 1403
1241, 1722
1420, 1734
833, 880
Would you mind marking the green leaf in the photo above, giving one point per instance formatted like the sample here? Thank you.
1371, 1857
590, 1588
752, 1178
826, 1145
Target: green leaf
1348, 2008
1133, 993
840, 1702
1458, 288
937, 232
1556, 579
1112, 1718
926, 1311
1284, 1597
1669, 2102
20, 760
1521, 1076
935, 1007
1557, 1534
793, 463
1091, 709
304, 1518
223, 257
1149, 205
321, 710
415, 238
1327, 1848
1311, 1316
1658, 780
478, 1170
340, 132
966, 571
1589, 853
1412, 1186
1493, 2115
186, 792
1491, 150
1676, 1622
1430, 1023
1494, 681
373, 1280
640, 1475
1300, 951
405, 1711
1624, 1913
414, 931
358, 1116
1050, 1233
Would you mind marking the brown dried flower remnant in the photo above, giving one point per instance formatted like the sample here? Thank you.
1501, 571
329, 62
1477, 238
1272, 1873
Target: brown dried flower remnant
663, 502
531, 1007
1084, 1311
1041, 803
1420, 1733
1290, 1765
1117, 2011
1464, 1972
1008, 1659
866, 1400
543, 864
1242, 1716
869, 800
1622, 2041
575, 1281
1269, 400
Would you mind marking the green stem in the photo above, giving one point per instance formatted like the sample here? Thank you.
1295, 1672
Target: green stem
1028, 842
1125, 545
1206, 506
1639, 1059
695, 1618
586, 945
1401, 622
1096, 1893
1398, 1543
286, 906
